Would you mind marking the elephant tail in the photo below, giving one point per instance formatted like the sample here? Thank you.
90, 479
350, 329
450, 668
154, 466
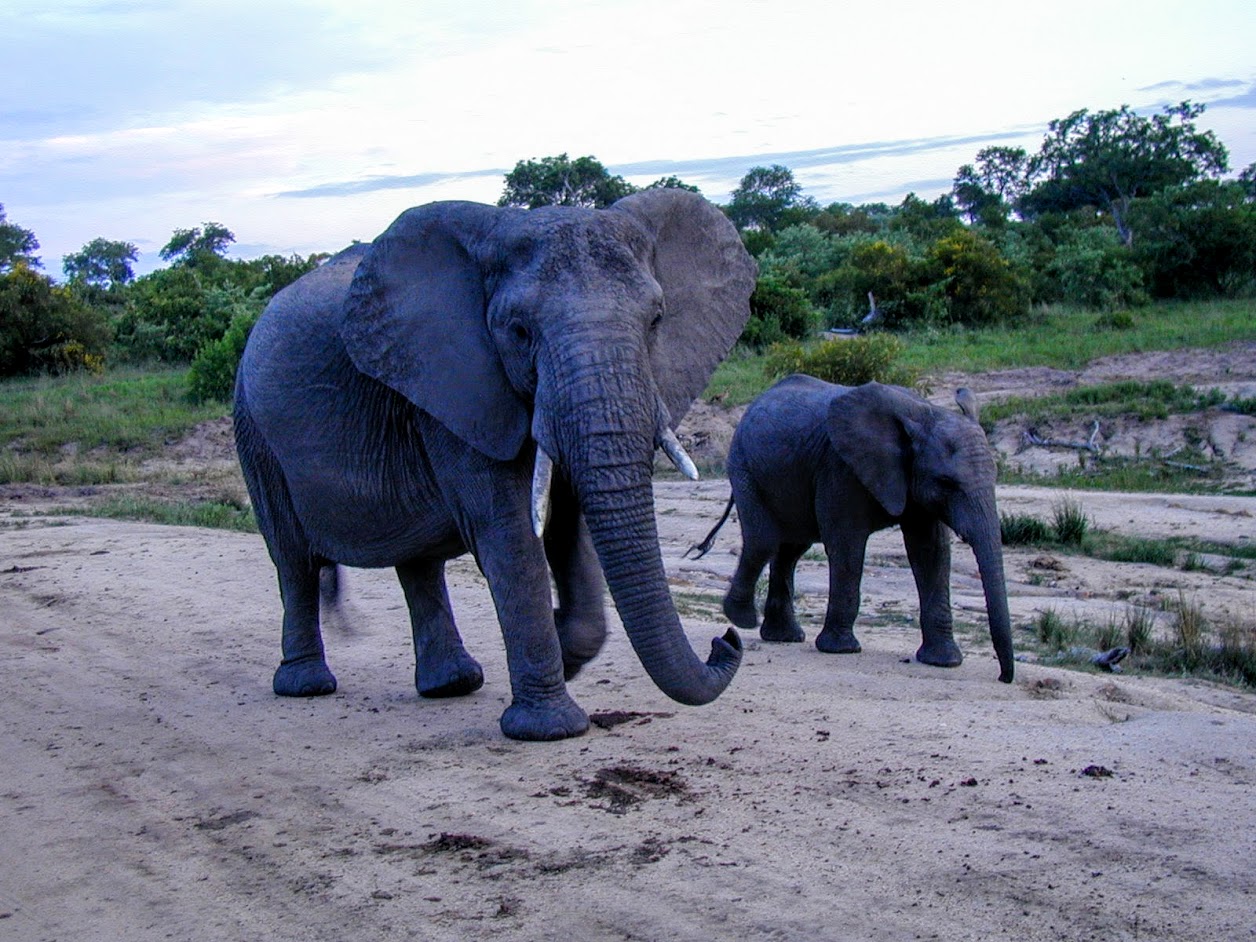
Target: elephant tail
336, 614
701, 549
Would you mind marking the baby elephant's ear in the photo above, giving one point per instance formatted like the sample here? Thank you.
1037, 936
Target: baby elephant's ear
416, 321
867, 431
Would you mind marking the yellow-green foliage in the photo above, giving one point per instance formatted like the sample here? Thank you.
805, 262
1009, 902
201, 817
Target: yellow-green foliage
851, 362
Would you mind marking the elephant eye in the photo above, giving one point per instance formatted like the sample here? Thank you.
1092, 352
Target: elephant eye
658, 316
520, 332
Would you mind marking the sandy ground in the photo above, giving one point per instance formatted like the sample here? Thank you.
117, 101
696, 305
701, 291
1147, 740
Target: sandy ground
154, 788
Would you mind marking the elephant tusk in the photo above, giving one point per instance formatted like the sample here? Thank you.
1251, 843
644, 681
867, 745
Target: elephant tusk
542, 476
671, 445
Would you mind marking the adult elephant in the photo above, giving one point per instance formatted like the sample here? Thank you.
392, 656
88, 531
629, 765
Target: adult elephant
468, 374
811, 461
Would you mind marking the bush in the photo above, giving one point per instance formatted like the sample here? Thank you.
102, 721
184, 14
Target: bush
212, 376
850, 362
1094, 270
778, 312
45, 328
980, 285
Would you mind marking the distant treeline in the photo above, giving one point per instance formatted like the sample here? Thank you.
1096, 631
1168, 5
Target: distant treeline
1116, 209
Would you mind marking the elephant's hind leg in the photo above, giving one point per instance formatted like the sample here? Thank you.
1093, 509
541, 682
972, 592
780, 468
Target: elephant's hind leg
442, 666
303, 672
779, 620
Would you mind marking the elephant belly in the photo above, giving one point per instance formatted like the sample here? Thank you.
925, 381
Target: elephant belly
371, 519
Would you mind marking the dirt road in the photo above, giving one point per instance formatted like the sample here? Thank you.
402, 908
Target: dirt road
154, 788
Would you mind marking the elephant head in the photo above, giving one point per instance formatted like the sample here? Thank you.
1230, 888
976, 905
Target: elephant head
911, 455
578, 336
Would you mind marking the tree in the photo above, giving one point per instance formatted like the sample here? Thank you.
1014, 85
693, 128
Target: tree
16, 245
560, 181
1109, 158
672, 183
764, 197
987, 192
1247, 180
198, 245
101, 263
45, 328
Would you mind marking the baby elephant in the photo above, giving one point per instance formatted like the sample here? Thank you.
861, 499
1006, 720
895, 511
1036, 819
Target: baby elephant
811, 462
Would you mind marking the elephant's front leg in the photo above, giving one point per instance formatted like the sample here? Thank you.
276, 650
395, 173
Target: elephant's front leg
928, 543
846, 562
442, 666
581, 614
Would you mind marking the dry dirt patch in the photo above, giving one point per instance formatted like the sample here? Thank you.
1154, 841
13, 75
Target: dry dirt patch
155, 788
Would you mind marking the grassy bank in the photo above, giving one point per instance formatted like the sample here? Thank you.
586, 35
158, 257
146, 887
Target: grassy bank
84, 429
1055, 337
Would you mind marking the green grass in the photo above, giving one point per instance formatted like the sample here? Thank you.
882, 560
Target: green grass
1050, 338
132, 413
1157, 399
219, 515
1053, 338
1192, 646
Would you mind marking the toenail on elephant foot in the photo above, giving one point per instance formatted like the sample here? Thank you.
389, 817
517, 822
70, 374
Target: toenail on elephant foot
833, 643
308, 678
559, 718
941, 654
456, 679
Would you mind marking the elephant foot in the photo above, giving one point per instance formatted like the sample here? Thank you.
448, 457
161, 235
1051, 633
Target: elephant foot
741, 612
830, 642
558, 718
782, 630
455, 677
944, 653
308, 677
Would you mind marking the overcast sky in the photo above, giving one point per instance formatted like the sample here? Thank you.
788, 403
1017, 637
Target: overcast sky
304, 124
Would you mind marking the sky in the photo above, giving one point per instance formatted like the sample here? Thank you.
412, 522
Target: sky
302, 125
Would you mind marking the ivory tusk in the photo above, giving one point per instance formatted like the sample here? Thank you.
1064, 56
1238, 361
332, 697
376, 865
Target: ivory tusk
542, 475
684, 464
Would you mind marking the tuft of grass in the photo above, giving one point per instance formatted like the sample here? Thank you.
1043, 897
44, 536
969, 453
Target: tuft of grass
1135, 550
1053, 632
1070, 522
1023, 529
1140, 625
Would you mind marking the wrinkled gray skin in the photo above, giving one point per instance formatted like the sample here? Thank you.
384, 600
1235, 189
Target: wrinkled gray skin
811, 462
391, 405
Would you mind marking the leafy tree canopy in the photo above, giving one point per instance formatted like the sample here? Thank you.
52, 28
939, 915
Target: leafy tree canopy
101, 263
16, 244
987, 192
764, 198
1109, 158
197, 245
561, 181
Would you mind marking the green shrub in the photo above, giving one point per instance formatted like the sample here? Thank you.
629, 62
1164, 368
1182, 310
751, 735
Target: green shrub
980, 285
212, 376
1093, 269
1053, 632
778, 312
44, 328
851, 362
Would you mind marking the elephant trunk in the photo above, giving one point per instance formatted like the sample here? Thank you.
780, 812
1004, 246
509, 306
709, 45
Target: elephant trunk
605, 444
989, 553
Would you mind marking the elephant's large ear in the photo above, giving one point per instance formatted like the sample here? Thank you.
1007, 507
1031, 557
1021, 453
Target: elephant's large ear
707, 278
416, 321
869, 427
